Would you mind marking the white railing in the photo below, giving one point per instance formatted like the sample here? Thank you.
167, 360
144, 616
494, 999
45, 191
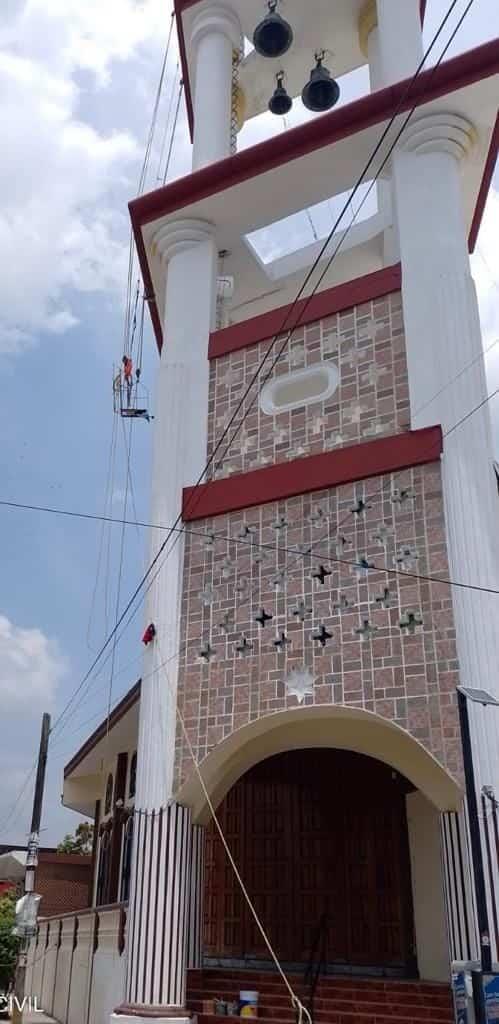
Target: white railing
76, 966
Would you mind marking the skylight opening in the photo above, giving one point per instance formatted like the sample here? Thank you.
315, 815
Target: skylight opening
313, 224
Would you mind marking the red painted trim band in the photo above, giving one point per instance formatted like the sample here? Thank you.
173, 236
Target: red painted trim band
313, 473
325, 303
488, 174
178, 7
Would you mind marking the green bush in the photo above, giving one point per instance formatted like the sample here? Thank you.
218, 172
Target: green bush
9, 944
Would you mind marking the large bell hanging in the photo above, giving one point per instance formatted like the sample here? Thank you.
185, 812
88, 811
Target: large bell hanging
273, 36
280, 102
321, 91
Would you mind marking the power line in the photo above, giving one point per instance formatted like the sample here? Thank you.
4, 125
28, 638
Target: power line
174, 128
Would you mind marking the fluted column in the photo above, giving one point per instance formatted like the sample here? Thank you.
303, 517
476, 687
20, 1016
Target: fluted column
196, 899
160, 877
379, 76
447, 382
189, 260
216, 33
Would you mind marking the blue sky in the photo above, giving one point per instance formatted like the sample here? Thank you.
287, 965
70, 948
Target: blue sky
77, 84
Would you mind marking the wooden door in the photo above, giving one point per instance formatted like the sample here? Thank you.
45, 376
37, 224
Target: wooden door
313, 833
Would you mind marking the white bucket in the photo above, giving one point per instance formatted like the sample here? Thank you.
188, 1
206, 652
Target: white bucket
248, 1004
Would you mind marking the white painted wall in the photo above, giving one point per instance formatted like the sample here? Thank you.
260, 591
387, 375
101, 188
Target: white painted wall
63, 970
49, 972
35, 984
80, 986
80, 974
108, 971
423, 822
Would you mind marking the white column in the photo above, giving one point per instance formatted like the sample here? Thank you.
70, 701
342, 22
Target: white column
369, 39
156, 945
447, 377
216, 33
369, 42
196, 899
189, 258
400, 39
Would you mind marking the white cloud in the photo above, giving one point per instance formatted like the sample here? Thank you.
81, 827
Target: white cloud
61, 177
31, 668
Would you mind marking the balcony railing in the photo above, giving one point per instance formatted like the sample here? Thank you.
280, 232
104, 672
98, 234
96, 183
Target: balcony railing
76, 967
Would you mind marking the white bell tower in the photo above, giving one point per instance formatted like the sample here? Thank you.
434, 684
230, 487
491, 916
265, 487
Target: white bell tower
429, 200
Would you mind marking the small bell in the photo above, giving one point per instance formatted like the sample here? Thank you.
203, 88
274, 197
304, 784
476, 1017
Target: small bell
321, 91
280, 103
273, 36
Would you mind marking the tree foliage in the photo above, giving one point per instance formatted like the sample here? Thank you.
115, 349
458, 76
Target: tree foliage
80, 842
9, 944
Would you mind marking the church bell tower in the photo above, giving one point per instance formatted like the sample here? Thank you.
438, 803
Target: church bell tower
322, 435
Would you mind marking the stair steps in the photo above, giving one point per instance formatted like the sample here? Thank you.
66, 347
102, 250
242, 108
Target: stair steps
338, 1000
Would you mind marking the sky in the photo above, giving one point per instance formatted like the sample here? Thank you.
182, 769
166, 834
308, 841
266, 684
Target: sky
77, 86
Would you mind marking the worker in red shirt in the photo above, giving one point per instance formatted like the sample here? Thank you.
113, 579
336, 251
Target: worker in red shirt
128, 376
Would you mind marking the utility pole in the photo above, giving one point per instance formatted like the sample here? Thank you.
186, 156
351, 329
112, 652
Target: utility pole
27, 906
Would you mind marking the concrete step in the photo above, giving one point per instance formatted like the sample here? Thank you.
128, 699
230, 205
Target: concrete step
338, 1000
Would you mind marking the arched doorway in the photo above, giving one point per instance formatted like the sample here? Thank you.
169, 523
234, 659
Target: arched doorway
315, 832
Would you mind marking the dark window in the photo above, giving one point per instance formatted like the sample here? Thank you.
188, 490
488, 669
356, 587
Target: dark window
133, 776
103, 872
127, 860
109, 794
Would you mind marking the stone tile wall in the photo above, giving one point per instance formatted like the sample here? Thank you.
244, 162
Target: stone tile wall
403, 665
365, 343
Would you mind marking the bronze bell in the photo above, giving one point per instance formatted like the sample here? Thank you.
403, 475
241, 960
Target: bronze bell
280, 103
273, 36
321, 91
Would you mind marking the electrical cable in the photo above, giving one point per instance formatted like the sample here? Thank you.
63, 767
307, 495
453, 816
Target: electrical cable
128, 452
21, 792
107, 496
174, 128
159, 175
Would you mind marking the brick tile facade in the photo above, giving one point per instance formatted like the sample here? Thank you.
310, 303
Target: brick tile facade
366, 344
407, 673
404, 676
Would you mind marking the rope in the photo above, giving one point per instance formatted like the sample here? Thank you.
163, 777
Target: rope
142, 181
107, 568
237, 56
167, 122
296, 1003
174, 128
107, 498
128, 451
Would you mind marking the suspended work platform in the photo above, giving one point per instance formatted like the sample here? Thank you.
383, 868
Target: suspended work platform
130, 398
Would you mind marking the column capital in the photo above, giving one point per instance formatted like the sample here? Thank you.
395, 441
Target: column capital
215, 17
178, 235
443, 132
368, 20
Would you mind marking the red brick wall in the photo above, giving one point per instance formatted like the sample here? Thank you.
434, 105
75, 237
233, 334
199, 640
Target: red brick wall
63, 882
